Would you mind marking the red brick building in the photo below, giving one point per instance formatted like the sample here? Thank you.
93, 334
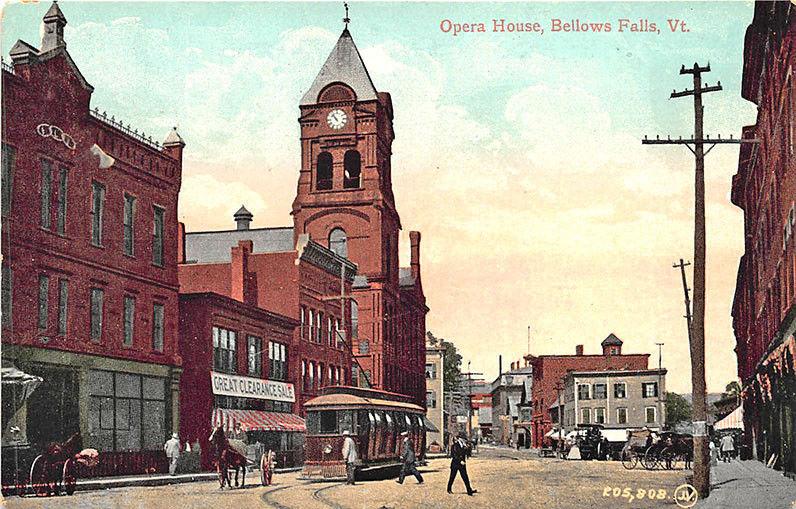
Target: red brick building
764, 187
235, 373
89, 233
345, 201
550, 370
263, 268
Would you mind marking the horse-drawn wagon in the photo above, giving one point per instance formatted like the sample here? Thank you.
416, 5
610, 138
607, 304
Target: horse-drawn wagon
56, 469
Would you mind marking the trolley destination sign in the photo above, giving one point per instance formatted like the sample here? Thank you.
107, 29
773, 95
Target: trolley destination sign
247, 387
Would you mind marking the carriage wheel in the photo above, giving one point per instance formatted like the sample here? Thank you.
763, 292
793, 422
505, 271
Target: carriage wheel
629, 460
650, 459
39, 484
69, 478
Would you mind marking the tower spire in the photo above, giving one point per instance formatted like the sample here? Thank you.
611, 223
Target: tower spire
346, 20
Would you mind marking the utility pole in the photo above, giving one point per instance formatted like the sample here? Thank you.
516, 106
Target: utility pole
701, 459
559, 388
660, 384
470, 383
682, 265
529, 339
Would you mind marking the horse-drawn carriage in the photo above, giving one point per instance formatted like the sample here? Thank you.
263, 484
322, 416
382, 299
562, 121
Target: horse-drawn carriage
55, 470
667, 450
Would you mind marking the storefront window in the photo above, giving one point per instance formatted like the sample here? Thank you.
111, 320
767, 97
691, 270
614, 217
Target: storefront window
126, 412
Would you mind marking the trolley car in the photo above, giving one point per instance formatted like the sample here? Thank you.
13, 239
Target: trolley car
375, 420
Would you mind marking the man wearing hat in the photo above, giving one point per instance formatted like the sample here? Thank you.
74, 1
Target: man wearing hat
460, 450
350, 456
409, 465
172, 448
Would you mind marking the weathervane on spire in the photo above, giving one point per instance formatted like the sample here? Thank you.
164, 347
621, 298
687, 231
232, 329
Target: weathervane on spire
346, 20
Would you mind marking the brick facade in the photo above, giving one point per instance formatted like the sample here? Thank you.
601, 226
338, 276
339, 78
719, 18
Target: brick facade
764, 188
273, 281
199, 314
58, 252
549, 370
345, 196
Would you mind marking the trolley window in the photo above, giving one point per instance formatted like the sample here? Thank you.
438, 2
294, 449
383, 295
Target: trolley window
328, 421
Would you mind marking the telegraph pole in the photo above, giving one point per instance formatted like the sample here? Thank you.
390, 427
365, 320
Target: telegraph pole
682, 265
470, 382
660, 384
701, 460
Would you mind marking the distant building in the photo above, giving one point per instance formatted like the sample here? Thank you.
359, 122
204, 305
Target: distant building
550, 370
509, 391
764, 307
436, 412
614, 398
481, 409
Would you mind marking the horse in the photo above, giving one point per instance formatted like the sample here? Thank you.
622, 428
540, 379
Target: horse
226, 458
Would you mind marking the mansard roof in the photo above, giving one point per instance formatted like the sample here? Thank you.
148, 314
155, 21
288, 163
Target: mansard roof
344, 65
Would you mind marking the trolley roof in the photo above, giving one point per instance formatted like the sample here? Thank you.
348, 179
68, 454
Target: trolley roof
350, 401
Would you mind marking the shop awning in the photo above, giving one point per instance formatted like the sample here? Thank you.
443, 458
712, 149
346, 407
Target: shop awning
429, 425
552, 432
732, 421
257, 420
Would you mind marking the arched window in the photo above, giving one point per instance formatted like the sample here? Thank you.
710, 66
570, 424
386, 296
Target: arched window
353, 169
323, 171
338, 242
312, 375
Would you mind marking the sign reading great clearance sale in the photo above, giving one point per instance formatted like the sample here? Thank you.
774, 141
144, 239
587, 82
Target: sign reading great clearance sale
247, 387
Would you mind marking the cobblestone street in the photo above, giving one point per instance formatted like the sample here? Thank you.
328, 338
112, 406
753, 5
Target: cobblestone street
503, 477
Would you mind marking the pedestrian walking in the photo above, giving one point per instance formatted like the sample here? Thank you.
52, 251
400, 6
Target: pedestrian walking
172, 448
350, 456
727, 447
714, 455
460, 451
409, 460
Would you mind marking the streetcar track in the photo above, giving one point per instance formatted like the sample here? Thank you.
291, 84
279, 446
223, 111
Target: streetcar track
267, 499
317, 496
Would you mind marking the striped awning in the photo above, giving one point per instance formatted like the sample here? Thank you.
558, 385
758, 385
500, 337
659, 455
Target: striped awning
734, 420
257, 420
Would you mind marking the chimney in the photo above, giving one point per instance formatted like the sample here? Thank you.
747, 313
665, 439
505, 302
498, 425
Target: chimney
239, 267
578, 349
414, 241
180, 242
243, 218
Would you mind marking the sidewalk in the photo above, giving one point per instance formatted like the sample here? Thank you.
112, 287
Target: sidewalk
745, 484
104, 483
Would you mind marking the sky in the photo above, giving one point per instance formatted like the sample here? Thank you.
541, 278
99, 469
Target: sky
517, 155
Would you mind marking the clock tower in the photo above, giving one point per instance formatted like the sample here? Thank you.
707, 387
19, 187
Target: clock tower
345, 202
344, 199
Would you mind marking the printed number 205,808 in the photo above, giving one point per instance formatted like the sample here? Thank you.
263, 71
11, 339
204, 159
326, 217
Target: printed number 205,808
637, 494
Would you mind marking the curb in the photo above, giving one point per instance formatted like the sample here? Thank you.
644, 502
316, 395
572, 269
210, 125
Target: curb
158, 480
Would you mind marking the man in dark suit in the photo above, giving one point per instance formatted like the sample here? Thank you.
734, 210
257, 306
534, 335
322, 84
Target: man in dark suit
409, 461
460, 451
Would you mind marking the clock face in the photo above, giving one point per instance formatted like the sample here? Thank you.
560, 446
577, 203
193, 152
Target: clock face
336, 119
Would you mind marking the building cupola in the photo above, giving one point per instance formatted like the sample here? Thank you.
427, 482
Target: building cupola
612, 345
243, 218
